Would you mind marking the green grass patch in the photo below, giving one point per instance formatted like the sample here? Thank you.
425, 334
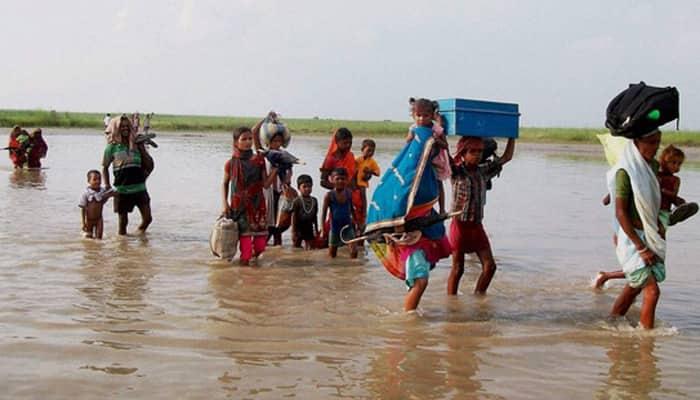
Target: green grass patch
312, 126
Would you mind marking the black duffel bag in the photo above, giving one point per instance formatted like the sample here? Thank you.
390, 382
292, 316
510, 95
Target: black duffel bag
640, 109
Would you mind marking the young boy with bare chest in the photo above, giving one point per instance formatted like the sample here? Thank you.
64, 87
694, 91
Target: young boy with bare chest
91, 203
339, 202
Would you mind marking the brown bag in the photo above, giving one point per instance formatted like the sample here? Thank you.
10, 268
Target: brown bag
146, 160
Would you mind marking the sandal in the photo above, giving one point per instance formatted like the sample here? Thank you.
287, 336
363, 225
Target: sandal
682, 212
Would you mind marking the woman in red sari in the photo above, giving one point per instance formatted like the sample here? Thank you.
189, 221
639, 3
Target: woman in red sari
339, 155
245, 174
14, 145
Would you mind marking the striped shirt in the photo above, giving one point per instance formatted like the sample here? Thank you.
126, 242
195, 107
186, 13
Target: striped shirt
469, 190
129, 176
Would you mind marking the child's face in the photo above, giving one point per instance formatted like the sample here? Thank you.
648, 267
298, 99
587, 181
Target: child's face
423, 117
472, 156
245, 141
344, 145
368, 151
94, 181
672, 164
340, 181
276, 142
305, 189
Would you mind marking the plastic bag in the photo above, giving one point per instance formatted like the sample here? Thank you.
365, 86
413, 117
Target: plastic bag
223, 240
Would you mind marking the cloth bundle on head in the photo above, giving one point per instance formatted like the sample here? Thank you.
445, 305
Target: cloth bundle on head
269, 129
647, 200
113, 135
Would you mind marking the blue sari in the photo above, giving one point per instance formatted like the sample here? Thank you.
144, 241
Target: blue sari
409, 188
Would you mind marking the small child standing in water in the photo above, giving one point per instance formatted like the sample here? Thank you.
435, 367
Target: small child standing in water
670, 162
339, 201
366, 168
304, 214
469, 195
91, 203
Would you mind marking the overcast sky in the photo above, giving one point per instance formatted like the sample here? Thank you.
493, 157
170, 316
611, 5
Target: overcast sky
561, 61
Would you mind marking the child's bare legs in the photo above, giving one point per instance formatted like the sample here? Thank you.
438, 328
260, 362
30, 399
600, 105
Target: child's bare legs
89, 229
332, 251
353, 250
99, 227
488, 269
650, 294
624, 301
455, 273
605, 276
146, 218
414, 294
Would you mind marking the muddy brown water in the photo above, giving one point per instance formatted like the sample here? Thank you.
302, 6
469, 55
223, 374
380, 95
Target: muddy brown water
156, 316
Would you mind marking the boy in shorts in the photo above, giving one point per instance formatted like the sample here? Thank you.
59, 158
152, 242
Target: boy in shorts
469, 187
339, 201
304, 214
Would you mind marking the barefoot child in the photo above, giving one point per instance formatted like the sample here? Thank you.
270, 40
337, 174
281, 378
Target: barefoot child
304, 214
467, 233
366, 168
670, 162
339, 201
91, 203
245, 174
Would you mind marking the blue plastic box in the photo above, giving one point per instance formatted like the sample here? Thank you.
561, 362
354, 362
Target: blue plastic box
466, 117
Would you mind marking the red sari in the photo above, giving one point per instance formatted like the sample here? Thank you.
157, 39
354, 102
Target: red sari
245, 169
17, 155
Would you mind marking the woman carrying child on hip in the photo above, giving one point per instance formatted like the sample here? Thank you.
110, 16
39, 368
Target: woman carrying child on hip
641, 243
245, 174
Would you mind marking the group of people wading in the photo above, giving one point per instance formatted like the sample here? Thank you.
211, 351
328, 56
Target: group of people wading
26, 149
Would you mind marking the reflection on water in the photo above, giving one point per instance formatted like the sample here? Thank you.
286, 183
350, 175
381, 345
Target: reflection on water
631, 360
28, 179
116, 282
118, 317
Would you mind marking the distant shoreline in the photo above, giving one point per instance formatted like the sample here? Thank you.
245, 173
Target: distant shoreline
194, 124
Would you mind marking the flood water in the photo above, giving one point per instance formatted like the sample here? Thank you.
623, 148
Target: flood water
156, 316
